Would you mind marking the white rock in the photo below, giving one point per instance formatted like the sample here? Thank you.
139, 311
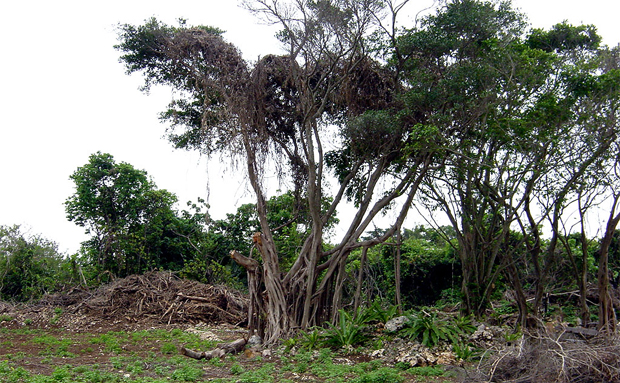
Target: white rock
255, 340
396, 324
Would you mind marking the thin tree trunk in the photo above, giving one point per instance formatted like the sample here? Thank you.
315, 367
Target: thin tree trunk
399, 302
360, 280
515, 281
607, 317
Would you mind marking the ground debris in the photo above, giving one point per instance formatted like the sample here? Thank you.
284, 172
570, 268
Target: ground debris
156, 298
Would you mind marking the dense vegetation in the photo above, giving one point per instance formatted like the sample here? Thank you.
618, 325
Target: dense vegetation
507, 134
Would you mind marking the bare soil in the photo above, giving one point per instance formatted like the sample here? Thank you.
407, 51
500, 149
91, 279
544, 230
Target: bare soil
154, 301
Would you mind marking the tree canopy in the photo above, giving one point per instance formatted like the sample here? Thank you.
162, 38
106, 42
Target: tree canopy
467, 114
132, 224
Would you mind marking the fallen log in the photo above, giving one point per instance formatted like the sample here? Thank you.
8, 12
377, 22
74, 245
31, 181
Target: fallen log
221, 350
586, 332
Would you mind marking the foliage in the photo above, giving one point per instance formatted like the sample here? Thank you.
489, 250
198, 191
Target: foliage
376, 313
132, 224
429, 266
466, 113
323, 107
429, 329
30, 265
381, 375
347, 333
311, 339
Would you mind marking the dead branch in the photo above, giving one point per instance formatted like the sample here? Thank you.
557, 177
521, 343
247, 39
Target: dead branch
221, 350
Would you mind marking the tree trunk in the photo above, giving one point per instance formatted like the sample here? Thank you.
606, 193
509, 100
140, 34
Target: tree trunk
606, 316
360, 280
515, 281
399, 302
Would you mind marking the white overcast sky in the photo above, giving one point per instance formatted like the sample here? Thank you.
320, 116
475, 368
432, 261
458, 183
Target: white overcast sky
64, 96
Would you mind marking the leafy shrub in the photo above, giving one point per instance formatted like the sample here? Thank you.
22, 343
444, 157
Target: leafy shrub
29, 265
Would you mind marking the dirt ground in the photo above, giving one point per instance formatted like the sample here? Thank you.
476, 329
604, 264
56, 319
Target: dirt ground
154, 301
74, 329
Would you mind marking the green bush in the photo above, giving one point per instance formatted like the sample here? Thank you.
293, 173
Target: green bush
30, 265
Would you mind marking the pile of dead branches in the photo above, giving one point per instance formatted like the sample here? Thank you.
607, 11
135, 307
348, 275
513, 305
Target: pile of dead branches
164, 297
554, 357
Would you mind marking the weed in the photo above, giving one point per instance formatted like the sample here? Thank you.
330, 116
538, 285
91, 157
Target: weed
264, 374
463, 351
376, 313
168, 348
5, 318
381, 375
289, 344
325, 355
429, 329
330, 371
57, 314
81, 369
312, 339
347, 333
110, 341
117, 363
236, 369
16, 356
187, 374
136, 367
96, 376
9, 373
510, 337
216, 362
54, 346
62, 373
465, 324
427, 371
162, 370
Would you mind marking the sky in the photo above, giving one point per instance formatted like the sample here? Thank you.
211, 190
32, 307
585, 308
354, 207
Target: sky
65, 96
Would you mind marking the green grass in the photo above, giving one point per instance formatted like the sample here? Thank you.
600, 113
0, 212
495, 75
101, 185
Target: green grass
151, 356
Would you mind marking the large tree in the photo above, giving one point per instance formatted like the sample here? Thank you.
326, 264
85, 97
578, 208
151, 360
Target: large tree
471, 69
323, 108
523, 126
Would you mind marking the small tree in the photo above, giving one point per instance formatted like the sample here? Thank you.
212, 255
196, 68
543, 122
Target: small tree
133, 225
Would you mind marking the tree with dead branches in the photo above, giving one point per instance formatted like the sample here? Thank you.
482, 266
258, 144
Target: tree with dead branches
323, 112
